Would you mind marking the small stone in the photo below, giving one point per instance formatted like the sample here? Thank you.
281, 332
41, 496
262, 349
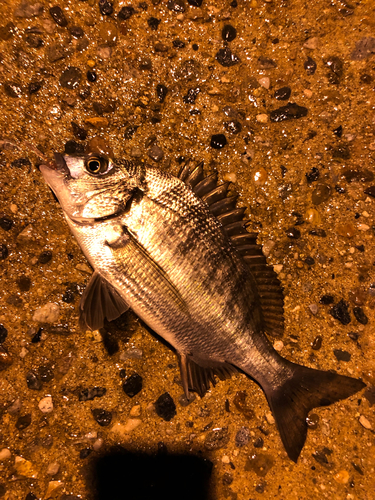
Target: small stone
135, 411
91, 76
266, 63
321, 193
312, 43
45, 257
336, 67
129, 426
342, 355
126, 13
262, 118
33, 381
270, 419
326, 299
28, 9
342, 477
21, 162
293, 233
155, 153
346, 230
7, 31
283, 93
216, 439
242, 406
55, 52
52, 488
84, 453
71, 78
260, 463
360, 315
103, 417
310, 66
233, 126
153, 22
218, 141
312, 175
3, 251
278, 345
58, 16
265, 82
176, 5
53, 468
165, 407
310, 261
46, 404
191, 96
289, 112
5, 358
98, 444
365, 422
14, 407
341, 312
178, 44
226, 58
317, 343
312, 421
5, 454
3, 333
97, 122
49, 313
13, 89
25, 468
242, 437
314, 309
259, 443
76, 31
23, 422
105, 7
6, 223
133, 385
228, 33
363, 49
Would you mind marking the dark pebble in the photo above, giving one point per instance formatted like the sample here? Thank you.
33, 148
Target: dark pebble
370, 191
226, 58
31, 496
338, 131
195, 3
33, 381
12, 89
321, 193
68, 297
71, 78
133, 385
130, 131
126, 13
342, 355
161, 92
195, 46
76, 31
3, 251
6, 223
313, 175
233, 126
145, 63
259, 443
366, 78
310, 66
228, 33
293, 232
283, 94
360, 316
317, 343
105, 7
320, 457
78, 131
7, 31
341, 312
103, 417
85, 452
339, 189
341, 152
110, 342
176, 5
218, 141
58, 16
21, 162
153, 23
178, 44
23, 422
143, 5
266, 63
3, 333
326, 300
357, 468
34, 87
289, 112
312, 421
357, 175
14, 300
191, 96
216, 439
45, 257
227, 479
242, 437
165, 407
122, 373
24, 283
259, 488
318, 232
336, 67
91, 76
155, 152
34, 41
73, 147
310, 261
45, 372
91, 393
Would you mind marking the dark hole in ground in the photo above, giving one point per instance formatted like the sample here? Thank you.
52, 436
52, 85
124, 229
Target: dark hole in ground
125, 475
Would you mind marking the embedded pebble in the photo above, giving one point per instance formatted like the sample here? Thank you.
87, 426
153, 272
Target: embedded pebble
313, 308
242, 437
260, 463
291, 111
233, 126
363, 49
341, 355
53, 468
71, 78
33, 381
321, 193
360, 315
266, 63
106, 7
312, 43
25, 468
155, 153
133, 385
98, 444
218, 141
228, 33
29, 9
267, 247
216, 439
270, 418
262, 118
265, 82
3, 333
278, 345
310, 66
226, 58
135, 411
317, 343
4, 252
342, 477
52, 488
161, 92
312, 421
293, 233
91, 393
58, 16
23, 422
103, 417
283, 93
126, 13
341, 312
6, 223
5, 454
49, 313
240, 402
45, 405
365, 422
165, 407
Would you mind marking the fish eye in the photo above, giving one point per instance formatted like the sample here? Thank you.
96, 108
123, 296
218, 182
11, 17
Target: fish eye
96, 165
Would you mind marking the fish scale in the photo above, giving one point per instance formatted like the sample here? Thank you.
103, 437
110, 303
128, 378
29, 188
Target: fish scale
186, 265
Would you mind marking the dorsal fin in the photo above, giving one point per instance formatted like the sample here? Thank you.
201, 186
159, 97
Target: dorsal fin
223, 206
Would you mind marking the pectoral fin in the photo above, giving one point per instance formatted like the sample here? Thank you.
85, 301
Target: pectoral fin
100, 300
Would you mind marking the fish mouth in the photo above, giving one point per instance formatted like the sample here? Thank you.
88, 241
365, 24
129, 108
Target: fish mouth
59, 165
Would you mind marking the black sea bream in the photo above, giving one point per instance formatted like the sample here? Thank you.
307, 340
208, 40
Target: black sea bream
176, 251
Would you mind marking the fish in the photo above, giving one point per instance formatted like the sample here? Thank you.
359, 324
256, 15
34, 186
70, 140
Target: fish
176, 250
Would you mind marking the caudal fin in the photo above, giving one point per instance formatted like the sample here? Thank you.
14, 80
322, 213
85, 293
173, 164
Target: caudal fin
307, 389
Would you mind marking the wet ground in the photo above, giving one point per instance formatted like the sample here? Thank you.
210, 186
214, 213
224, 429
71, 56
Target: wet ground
161, 81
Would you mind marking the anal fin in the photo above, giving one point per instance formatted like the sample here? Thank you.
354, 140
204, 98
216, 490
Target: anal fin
100, 300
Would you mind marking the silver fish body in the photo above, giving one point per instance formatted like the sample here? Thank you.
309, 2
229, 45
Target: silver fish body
160, 249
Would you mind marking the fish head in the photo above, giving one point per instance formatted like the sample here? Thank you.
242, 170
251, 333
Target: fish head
90, 186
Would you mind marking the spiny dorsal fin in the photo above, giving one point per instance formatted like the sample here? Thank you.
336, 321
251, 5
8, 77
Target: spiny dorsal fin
223, 206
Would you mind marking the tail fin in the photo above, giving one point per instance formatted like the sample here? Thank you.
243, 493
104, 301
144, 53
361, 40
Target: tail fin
307, 389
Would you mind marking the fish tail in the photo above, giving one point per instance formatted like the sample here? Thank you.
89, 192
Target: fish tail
304, 390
